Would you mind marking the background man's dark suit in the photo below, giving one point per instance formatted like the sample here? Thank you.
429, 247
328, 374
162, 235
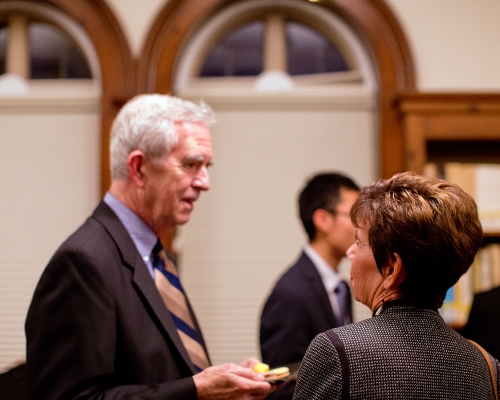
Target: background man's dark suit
483, 325
295, 312
112, 330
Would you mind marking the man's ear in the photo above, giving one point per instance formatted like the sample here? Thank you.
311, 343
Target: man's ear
135, 164
321, 218
394, 273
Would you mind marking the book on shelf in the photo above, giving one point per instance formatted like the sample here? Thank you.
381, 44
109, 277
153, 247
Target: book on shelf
482, 182
483, 275
487, 268
458, 300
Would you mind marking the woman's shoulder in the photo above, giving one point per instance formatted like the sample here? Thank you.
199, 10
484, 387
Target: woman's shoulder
406, 320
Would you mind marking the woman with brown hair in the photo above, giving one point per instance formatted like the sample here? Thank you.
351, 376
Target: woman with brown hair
415, 237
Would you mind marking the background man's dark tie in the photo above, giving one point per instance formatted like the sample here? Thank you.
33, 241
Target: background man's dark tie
344, 301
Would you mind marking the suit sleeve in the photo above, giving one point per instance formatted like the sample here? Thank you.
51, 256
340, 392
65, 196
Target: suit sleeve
475, 320
71, 331
284, 326
320, 374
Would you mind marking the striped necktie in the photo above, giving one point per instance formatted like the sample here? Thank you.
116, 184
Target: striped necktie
168, 284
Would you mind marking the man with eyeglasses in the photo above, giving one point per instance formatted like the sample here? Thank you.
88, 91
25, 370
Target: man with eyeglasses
310, 297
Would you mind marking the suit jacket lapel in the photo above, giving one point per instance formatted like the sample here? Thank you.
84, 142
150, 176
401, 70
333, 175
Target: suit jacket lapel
312, 277
140, 275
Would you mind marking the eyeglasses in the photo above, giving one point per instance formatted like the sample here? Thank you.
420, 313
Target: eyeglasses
335, 212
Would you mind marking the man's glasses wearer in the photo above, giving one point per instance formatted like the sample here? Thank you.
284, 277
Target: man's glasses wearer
335, 212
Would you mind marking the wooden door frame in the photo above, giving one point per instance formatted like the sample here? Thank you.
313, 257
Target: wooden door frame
118, 68
372, 20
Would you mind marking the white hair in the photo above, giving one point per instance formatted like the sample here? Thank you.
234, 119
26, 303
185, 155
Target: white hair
146, 123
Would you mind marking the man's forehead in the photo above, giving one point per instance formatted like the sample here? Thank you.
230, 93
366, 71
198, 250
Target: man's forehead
195, 143
196, 130
190, 143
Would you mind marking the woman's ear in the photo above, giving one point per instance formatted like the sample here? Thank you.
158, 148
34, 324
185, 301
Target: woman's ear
394, 273
135, 164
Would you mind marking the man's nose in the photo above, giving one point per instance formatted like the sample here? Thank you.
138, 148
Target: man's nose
202, 179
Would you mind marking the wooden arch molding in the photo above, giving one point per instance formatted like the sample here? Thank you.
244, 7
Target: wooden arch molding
115, 59
372, 20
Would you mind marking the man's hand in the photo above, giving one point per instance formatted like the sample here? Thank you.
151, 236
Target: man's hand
230, 381
249, 362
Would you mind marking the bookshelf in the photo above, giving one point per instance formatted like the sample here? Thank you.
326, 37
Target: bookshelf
463, 127
450, 127
444, 128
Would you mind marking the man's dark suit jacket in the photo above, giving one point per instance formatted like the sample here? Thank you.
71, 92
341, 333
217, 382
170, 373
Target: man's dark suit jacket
97, 326
483, 325
296, 311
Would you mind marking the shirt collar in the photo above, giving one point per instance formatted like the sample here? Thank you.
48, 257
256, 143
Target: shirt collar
141, 234
329, 277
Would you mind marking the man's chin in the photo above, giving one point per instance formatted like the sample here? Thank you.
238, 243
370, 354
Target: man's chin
183, 219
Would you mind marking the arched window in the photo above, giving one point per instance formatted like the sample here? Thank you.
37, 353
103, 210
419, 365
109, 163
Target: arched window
310, 52
241, 52
260, 46
40, 43
237, 54
39, 50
